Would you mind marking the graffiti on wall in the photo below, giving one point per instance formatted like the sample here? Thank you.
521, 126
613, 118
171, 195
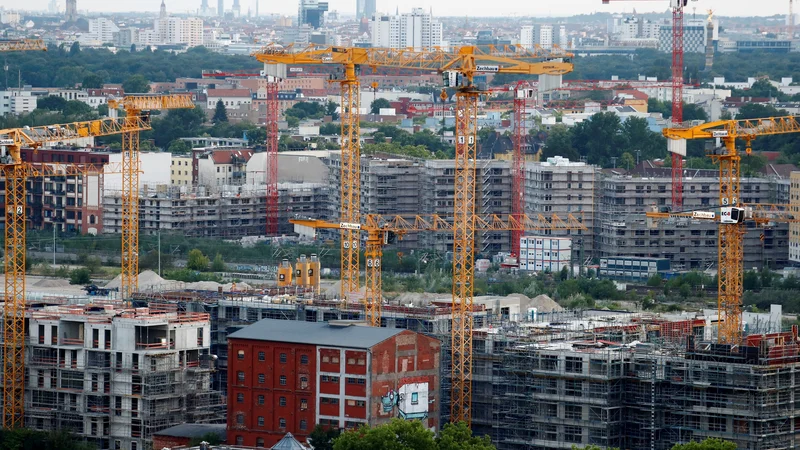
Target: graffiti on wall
411, 401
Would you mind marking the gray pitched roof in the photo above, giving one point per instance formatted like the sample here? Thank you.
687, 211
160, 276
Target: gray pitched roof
288, 443
336, 333
193, 430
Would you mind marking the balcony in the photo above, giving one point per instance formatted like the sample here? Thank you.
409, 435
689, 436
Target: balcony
72, 342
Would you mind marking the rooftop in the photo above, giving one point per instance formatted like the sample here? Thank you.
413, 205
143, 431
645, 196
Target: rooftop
193, 430
350, 334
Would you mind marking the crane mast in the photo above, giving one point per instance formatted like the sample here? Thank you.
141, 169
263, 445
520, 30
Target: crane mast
16, 173
677, 98
271, 124
134, 105
731, 233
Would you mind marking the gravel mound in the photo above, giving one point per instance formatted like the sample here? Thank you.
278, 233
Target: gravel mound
51, 283
147, 280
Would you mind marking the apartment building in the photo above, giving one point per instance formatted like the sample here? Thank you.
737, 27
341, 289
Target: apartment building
17, 102
408, 187
181, 171
219, 168
794, 228
231, 214
291, 375
115, 376
562, 187
622, 228
65, 198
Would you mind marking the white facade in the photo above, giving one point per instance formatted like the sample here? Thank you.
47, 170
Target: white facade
544, 253
541, 35
16, 102
155, 166
102, 29
174, 30
9, 17
417, 30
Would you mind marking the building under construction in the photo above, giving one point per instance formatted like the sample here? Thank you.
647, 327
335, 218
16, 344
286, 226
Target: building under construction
632, 381
115, 375
554, 380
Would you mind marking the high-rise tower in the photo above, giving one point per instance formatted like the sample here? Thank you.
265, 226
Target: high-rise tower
236, 9
220, 8
162, 14
365, 8
72, 10
204, 8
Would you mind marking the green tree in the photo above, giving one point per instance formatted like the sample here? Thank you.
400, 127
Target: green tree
627, 161
220, 113
75, 49
692, 111
80, 276
197, 261
218, 265
179, 147
292, 121
458, 436
136, 84
322, 438
51, 103
92, 81
329, 129
330, 110
654, 281
559, 143
377, 104
396, 435
708, 444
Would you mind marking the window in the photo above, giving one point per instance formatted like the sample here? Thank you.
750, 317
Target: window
261, 421
303, 382
326, 359
324, 379
415, 398
259, 442
351, 361
362, 361
351, 380
240, 398
281, 423
261, 378
240, 354
262, 356
240, 375
282, 401
239, 440
282, 380
303, 359
303, 404
335, 360
303, 425
362, 381
260, 400
283, 358
240, 419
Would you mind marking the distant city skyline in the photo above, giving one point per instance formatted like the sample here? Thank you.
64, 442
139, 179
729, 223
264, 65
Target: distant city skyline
444, 8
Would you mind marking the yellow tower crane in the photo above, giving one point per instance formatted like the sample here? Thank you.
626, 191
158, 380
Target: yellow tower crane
733, 213
134, 107
15, 172
459, 65
384, 230
22, 45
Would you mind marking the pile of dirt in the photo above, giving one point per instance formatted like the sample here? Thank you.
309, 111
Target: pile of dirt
51, 283
147, 280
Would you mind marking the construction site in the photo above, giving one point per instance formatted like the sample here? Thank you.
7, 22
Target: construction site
524, 371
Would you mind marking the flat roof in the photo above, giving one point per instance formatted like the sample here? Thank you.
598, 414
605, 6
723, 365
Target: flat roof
336, 333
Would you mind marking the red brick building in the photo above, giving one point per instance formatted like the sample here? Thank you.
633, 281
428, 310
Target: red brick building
286, 376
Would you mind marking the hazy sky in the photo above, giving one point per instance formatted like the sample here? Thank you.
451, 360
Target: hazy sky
440, 7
